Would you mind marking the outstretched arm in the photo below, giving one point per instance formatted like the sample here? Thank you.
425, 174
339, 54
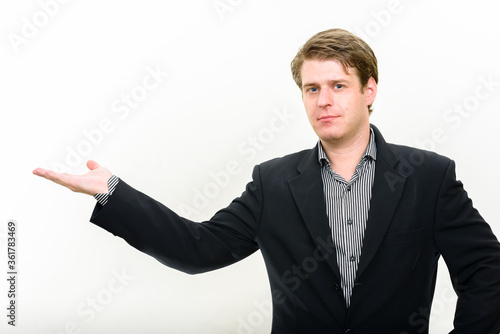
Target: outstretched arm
156, 230
91, 183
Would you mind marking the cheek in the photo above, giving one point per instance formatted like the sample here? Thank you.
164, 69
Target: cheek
355, 106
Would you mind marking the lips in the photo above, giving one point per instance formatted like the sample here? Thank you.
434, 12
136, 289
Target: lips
327, 118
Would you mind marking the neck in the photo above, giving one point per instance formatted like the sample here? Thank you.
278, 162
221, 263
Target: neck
344, 156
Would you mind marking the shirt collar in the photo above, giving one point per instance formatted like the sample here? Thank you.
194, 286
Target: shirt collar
370, 152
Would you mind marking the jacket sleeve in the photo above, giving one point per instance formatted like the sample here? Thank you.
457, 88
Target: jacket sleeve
472, 254
177, 242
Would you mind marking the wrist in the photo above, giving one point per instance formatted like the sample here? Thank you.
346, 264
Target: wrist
103, 198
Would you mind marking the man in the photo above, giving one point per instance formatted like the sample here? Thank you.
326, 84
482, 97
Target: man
351, 231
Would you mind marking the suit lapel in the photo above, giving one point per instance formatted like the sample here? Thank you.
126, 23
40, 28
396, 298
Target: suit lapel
307, 191
386, 192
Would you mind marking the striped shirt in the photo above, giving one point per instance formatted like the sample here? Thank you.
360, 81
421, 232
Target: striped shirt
102, 198
347, 206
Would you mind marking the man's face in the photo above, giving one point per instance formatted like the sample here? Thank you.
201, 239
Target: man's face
335, 103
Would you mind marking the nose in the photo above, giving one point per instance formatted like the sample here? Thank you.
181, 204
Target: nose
325, 98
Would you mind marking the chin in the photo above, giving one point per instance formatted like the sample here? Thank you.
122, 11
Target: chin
330, 135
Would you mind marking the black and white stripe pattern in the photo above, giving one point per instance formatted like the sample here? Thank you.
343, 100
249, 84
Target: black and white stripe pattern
102, 198
347, 206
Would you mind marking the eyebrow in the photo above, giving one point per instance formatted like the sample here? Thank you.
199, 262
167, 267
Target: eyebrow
330, 82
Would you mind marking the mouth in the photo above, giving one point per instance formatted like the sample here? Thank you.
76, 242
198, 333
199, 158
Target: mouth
327, 118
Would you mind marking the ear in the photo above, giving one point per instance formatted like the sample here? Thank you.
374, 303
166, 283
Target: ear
370, 91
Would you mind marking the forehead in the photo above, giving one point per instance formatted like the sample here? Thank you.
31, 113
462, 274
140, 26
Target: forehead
330, 68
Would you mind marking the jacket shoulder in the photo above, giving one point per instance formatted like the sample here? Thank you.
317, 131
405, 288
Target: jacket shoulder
419, 157
397, 154
287, 165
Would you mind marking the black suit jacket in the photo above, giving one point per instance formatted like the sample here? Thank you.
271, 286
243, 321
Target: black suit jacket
418, 212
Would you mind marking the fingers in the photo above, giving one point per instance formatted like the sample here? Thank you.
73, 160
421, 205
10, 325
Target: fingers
50, 175
93, 182
91, 164
45, 173
39, 171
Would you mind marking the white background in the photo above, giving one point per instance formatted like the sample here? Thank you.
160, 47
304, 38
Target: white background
228, 75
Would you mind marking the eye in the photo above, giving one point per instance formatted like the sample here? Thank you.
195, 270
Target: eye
339, 86
313, 89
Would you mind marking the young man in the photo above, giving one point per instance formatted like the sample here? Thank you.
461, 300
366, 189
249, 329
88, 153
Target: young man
350, 231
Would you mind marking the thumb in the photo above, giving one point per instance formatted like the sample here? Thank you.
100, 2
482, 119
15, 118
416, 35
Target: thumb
91, 164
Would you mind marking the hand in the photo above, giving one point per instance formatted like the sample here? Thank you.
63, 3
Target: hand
94, 182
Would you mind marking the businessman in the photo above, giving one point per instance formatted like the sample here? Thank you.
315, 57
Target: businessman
351, 230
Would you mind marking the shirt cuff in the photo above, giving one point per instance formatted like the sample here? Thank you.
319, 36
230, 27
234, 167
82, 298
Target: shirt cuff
102, 198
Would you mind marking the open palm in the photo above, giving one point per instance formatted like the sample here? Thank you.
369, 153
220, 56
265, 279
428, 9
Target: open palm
91, 183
